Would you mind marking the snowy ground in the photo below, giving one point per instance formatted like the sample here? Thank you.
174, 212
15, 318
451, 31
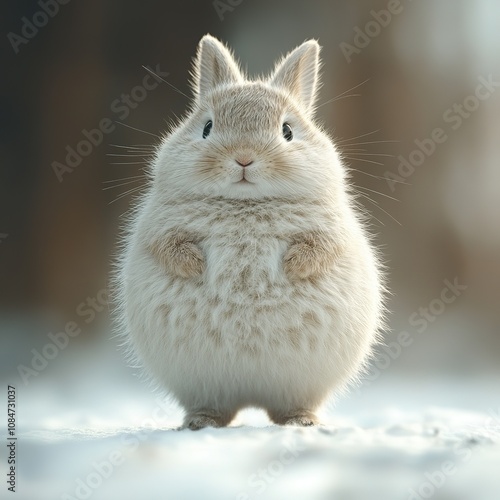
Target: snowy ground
89, 429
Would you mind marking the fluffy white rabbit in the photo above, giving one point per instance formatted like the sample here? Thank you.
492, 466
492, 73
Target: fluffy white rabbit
247, 277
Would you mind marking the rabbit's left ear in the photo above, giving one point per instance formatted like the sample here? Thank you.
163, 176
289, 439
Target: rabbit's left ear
298, 73
214, 66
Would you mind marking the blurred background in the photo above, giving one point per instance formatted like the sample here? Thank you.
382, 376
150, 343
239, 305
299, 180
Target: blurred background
409, 92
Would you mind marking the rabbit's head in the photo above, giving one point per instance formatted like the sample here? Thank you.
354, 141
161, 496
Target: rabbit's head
250, 139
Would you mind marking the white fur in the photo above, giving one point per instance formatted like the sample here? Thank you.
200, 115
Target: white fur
243, 333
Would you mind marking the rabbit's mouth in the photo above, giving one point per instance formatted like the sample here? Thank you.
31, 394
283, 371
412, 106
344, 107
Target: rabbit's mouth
244, 178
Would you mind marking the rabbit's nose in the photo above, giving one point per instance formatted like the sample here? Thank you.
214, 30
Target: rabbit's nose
244, 162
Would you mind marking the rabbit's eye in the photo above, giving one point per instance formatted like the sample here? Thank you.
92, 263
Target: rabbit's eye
287, 132
207, 129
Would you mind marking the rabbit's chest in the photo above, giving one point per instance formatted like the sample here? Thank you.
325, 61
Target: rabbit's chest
244, 246
243, 265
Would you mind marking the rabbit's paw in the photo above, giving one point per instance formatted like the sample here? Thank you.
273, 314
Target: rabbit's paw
188, 261
299, 418
197, 420
179, 255
310, 256
299, 261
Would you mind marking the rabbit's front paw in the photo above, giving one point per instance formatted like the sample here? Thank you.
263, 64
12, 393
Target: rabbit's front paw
311, 255
189, 261
179, 255
300, 261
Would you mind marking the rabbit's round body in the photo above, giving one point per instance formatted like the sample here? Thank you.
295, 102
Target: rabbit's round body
247, 278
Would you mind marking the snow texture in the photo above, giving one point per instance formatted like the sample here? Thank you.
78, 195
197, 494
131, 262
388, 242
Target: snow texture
99, 433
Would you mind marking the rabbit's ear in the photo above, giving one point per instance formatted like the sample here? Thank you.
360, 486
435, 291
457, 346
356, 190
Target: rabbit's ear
214, 65
298, 73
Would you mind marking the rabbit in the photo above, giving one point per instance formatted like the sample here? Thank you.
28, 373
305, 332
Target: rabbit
247, 276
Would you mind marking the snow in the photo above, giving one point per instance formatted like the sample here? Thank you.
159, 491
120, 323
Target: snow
88, 428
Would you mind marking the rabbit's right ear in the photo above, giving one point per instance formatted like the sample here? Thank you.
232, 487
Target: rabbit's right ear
297, 73
214, 65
